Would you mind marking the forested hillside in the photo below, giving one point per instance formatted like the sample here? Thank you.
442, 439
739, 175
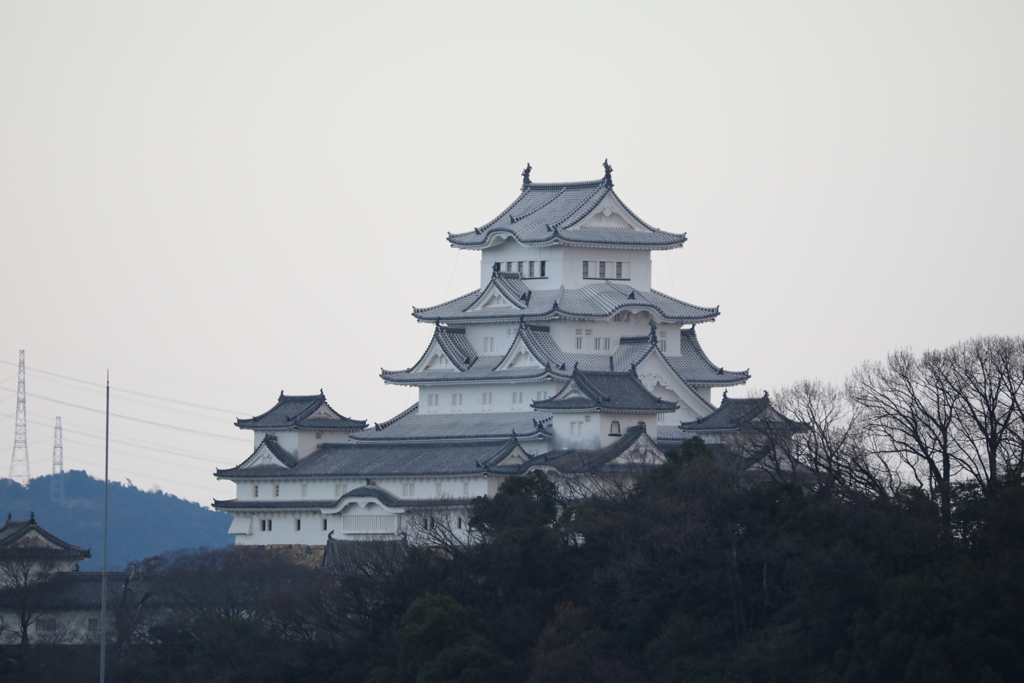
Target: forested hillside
142, 523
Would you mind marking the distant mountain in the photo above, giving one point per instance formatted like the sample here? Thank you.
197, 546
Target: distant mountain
142, 524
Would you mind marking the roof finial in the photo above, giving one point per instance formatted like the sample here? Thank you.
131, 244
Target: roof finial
8, 516
607, 174
32, 516
526, 175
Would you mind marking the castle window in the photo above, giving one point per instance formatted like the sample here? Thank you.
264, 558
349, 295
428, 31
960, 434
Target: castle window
621, 317
614, 429
277, 490
517, 397
409, 489
48, 625
439, 489
543, 268
456, 399
465, 489
486, 399
602, 343
298, 525
542, 395
579, 340
618, 270
600, 270
255, 490
520, 264
662, 344
324, 521
433, 400
319, 435
340, 490
586, 269
94, 625
266, 525
533, 265
460, 522
508, 267
576, 428
488, 344
305, 490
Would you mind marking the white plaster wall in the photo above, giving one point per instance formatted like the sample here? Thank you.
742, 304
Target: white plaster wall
589, 438
565, 264
502, 334
472, 397
308, 440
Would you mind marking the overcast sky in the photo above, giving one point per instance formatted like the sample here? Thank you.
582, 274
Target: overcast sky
221, 200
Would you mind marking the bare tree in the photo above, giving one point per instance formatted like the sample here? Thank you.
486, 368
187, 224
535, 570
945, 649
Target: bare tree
824, 439
910, 405
27, 586
987, 374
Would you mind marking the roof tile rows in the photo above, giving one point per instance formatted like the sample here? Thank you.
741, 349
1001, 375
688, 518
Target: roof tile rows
411, 425
599, 300
294, 412
386, 459
605, 391
16, 542
551, 213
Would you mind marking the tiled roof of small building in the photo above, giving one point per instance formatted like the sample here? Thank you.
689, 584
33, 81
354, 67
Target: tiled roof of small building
599, 300
734, 414
388, 458
14, 543
411, 425
549, 213
616, 392
293, 412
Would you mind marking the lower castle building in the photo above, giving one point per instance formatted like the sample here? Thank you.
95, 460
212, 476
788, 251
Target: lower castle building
564, 360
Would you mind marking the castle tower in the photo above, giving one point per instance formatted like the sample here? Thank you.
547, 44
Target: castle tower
564, 359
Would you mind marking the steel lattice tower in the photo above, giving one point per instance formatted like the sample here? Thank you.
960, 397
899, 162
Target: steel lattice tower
20, 470
57, 480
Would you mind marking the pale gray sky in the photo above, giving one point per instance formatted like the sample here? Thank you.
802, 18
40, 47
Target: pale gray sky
220, 200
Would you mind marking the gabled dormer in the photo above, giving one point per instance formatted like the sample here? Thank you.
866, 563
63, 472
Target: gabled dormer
301, 423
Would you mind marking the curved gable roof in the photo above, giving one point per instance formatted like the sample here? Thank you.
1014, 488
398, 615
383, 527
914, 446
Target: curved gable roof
301, 412
549, 213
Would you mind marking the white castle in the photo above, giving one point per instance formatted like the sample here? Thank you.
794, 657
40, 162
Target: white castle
564, 360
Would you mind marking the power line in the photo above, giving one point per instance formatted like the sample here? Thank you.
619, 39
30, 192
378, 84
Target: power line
137, 419
147, 404
129, 391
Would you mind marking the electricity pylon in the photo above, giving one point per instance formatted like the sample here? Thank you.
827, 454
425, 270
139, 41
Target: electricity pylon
20, 470
57, 480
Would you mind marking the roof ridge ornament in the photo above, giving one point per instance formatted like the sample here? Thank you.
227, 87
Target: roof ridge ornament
608, 175
526, 175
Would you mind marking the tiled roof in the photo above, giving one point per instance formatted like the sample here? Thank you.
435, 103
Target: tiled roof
617, 392
293, 412
411, 425
599, 300
13, 545
388, 459
734, 414
550, 213
695, 367
268, 504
